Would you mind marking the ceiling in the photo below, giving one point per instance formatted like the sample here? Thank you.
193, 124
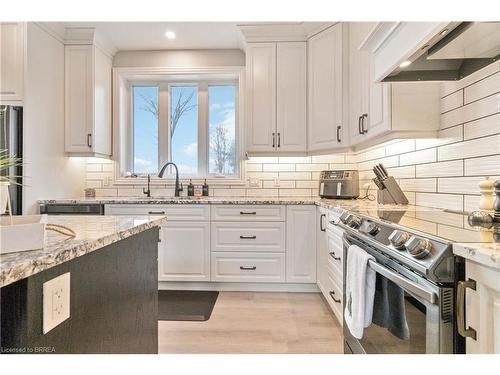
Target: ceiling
151, 35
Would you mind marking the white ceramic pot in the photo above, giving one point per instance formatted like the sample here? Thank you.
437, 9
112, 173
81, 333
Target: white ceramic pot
4, 195
21, 233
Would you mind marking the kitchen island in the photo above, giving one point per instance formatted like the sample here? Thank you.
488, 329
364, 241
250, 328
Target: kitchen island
112, 267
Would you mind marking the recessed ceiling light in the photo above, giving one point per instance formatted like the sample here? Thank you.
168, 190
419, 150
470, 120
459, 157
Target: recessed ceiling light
404, 64
170, 35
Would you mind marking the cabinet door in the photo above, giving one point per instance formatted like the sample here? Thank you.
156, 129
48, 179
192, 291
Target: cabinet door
184, 252
325, 89
291, 97
301, 244
483, 309
79, 105
261, 96
102, 104
12, 47
321, 248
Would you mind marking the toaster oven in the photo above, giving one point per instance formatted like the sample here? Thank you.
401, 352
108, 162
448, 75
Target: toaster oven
339, 184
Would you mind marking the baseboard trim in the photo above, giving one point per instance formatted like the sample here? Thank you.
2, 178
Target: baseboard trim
239, 287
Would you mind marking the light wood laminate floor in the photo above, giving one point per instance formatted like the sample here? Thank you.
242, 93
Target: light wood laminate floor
248, 322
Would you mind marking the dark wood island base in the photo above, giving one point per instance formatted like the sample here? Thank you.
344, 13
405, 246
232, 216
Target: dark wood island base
113, 303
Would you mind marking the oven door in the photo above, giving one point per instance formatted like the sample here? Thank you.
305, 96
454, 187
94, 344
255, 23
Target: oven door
407, 313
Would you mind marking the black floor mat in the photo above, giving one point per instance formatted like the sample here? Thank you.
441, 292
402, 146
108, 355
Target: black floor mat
187, 305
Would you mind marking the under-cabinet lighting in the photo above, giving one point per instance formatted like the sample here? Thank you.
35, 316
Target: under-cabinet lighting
170, 35
404, 64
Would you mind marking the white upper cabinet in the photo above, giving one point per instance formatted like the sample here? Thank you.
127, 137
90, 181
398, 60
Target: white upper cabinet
87, 101
325, 88
276, 97
382, 111
12, 56
291, 96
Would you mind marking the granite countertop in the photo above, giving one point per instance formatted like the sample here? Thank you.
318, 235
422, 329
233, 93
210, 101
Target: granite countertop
92, 233
451, 227
487, 254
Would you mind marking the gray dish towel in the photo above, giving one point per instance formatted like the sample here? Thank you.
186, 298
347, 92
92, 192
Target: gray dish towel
389, 308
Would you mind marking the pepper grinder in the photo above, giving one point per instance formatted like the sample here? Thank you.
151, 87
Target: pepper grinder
496, 204
486, 189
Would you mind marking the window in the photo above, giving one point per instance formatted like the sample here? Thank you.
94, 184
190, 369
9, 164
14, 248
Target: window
189, 122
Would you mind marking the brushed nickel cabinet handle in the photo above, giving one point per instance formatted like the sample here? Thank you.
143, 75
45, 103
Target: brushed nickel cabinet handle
248, 237
322, 222
461, 326
248, 268
359, 125
274, 140
332, 294
279, 140
332, 254
365, 116
89, 136
338, 134
156, 213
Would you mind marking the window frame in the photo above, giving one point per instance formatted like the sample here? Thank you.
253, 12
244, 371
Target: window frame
126, 78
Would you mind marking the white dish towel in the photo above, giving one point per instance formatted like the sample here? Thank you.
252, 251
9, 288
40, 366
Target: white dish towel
360, 291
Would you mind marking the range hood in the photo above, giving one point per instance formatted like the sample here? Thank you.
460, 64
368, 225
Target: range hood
459, 49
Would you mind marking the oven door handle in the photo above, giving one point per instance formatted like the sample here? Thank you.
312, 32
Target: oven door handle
401, 281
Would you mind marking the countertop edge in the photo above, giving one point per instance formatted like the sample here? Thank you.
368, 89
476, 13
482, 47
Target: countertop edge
70, 252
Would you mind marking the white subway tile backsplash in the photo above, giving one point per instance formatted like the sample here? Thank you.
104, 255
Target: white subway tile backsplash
311, 167
263, 160
483, 127
470, 112
450, 201
485, 166
469, 149
424, 185
400, 147
295, 175
418, 157
452, 101
251, 167
340, 158
306, 184
279, 167
278, 184
262, 192
295, 193
294, 159
471, 202
442, 169
459, 185
452, 86
402, 172
481, 89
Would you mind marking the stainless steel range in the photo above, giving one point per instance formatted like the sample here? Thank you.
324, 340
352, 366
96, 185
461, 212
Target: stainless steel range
417, 275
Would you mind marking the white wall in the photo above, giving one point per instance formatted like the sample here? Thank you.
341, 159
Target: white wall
179, 58
50, 173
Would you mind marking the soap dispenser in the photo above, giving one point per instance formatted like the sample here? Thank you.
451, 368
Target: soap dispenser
205, 189
190, 189
486, 188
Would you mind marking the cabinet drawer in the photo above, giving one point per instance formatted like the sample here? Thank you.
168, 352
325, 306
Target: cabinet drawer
247, 213
257, 237
174, 212
248, 267
334, 296
334, 252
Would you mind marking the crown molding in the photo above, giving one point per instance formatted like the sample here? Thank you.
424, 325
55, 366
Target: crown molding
89, 36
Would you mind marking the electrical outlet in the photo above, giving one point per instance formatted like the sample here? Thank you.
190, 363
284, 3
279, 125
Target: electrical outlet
56, 296
105, 182
277, 182
253, 182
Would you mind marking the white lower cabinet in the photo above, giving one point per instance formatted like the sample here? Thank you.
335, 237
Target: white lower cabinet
482, 309
301, 244
184, 252
330, 261
248, 267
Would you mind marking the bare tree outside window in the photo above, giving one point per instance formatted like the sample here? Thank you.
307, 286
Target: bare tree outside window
223, 150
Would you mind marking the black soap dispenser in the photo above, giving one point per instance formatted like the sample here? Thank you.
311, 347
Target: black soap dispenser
190, 189
204, 190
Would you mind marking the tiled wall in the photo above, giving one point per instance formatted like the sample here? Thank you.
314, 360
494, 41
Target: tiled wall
443, 172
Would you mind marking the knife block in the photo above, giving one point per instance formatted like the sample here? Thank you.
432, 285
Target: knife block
391, 192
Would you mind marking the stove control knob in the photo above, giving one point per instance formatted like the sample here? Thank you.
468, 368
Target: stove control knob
354, 222
418, 247
372, 229
398, 239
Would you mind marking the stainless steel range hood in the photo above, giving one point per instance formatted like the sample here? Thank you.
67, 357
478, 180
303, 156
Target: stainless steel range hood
455, 52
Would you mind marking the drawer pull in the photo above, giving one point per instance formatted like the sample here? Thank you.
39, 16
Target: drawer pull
332, 254
156, 212
332, 294
248, 268
248, 237
248, 213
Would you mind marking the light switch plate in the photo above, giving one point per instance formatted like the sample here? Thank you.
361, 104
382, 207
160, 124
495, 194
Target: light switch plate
56, 295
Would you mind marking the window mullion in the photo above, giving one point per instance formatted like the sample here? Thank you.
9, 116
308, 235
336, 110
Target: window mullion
163, 124
203, 129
